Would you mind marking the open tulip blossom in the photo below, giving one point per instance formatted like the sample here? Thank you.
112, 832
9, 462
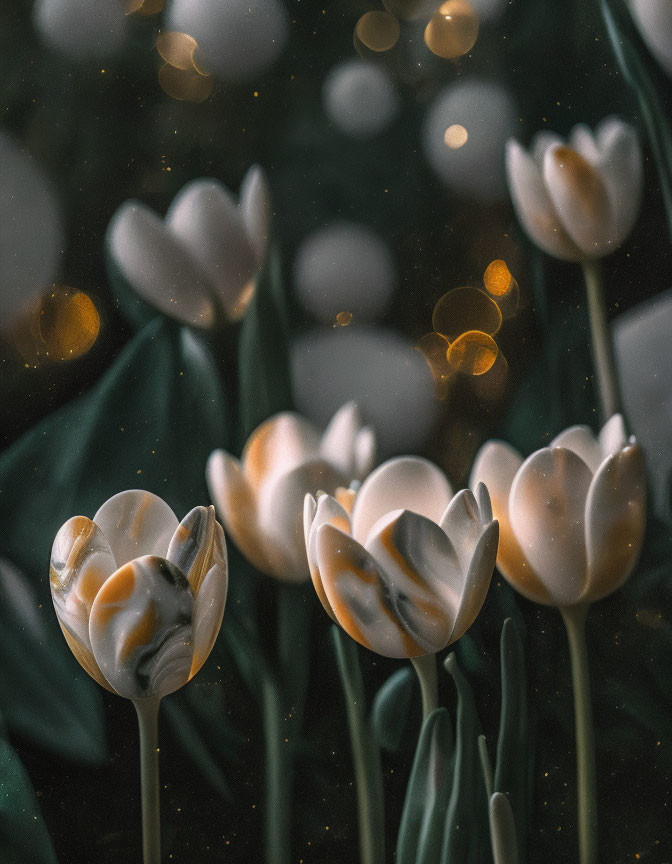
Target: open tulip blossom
260, 497
572, 519
197, 265
140, 598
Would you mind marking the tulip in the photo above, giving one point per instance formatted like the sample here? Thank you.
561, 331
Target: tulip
140, 599
260, 497
572, 520
578, 202
199, 264
654, 20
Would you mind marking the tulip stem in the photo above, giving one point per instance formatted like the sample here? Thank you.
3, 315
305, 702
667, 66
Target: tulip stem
603, 350
148, 723
575, 623
278, 774
425, 669
365, 753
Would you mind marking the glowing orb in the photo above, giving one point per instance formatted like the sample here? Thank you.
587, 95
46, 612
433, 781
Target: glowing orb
456, 136
378, 31
452, 30
473, 353
464, 309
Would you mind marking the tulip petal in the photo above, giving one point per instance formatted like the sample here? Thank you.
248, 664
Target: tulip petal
280, 516
197, 544
582, 140
326, 511
540, 144
236, 505
422, 575
278, 445
463, 525
357, 593
205, 218
136, 523
255, 210
477, 581
209, 606
534, 207
81, 561
140, 628
581, 201
580, 440
496, 466
615, 521
339, 440
620, 165
612, 436
158, 267
547, 511
403, 483
365, 452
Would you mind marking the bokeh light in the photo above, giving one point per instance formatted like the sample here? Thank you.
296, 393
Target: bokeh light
491, 387
456, 136
434, 348
187, 85
411, 10
359, 98
343, 319
452, 30
177, 48
378, 31
473, 353
81, 29
144, 7
502, 286
465, 309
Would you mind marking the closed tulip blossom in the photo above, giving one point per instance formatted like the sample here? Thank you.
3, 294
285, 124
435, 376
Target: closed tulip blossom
260, 497
578, 201
140, 598
572, 520
406, 572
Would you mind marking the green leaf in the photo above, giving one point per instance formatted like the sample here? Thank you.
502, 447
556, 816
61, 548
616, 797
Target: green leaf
135, 310
464, 830
513, 747
630, 56
23, 835
41, 699
263, 351
150, 422
503, 830
391, 708
428, 792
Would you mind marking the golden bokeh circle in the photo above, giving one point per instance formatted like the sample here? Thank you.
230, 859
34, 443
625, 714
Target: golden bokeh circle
378, 31
452, 30
473, 353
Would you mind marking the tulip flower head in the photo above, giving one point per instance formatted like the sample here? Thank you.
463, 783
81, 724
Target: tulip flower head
140, 596
405, 573
578, 200
260, 497
201, 260
571, 516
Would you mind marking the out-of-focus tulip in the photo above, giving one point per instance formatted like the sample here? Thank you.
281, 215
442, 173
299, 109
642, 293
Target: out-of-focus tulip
654, 19
200, 262
578, 200
571, 516
406, 572
82, 30
140, 596
259, 498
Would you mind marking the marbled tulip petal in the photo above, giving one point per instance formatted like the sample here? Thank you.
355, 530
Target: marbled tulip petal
255, 209
621, 167
462, 523
358, 595
476, 581
612, 436
422, 577
326, 511
280, 516
615, 521
580, 440
136, 523
81, 561
209, 606
205, 218
236, 505
496, 465
580, 201
339, 438
548, 500
404, 483
278, 445
140, 628
365, 452
534, 207
195, 545
157, 267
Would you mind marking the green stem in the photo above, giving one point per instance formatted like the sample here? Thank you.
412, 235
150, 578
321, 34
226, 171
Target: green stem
575, 623
425, 669
486, 767
603, 351
365, 753
278, 774
148, 722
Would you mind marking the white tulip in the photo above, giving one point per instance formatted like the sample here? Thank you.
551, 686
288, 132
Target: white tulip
654, 19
